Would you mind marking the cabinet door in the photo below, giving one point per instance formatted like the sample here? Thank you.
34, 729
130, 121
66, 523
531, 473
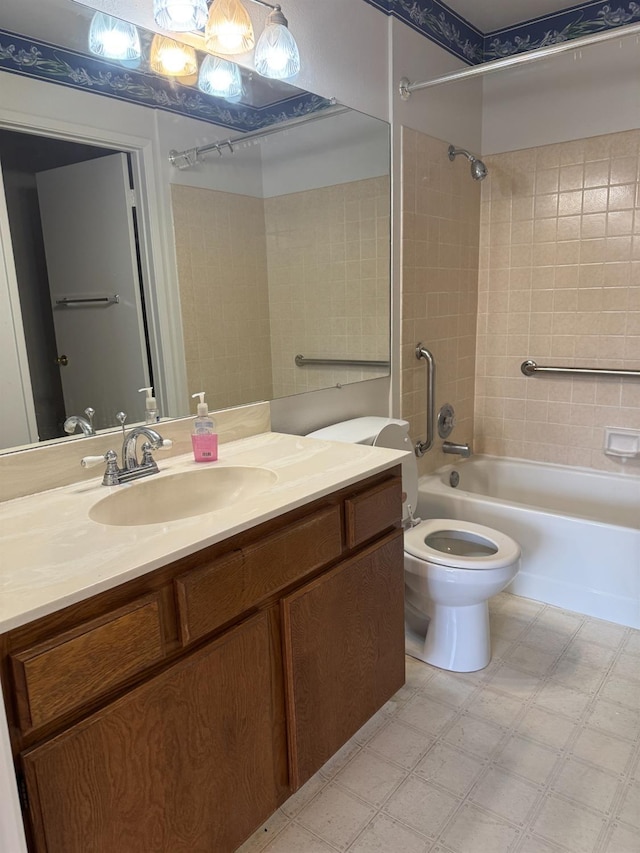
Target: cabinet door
185, 762
344, 652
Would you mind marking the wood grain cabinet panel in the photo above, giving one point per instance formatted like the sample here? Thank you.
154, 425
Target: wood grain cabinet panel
181, 764
371, 513
343, 637
78, 666
214, 593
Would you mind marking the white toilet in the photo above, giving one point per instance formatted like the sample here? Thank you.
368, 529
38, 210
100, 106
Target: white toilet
452, 567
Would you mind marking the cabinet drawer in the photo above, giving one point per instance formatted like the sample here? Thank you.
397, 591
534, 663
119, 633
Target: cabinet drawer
84, 663
372, 512
216, 592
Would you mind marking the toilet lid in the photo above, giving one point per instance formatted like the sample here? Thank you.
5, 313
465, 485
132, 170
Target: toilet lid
460, 544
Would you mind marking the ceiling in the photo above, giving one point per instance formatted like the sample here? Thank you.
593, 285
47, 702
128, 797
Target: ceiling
490, 15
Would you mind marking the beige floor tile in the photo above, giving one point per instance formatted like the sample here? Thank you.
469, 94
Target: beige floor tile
337, 761
603, 750
621, 690
527, 608
494, 707
622, 839
559, 699
603, 633
425, 714
384, 835
614, 719
632, 644
500, 646
587, 785
421, 806
509, 797
417, 673
528, 759
370, 777
507, 626
515, 682
579, 676
589, 654
571, 825
294, 839
265, 834
562, 621
546, 727
475, 736
531, 844
531, 659
450, 689
629, 809
547, 638
364, 734
474, 831
304, 795
456, 771
400, 744
335, 816
627, 666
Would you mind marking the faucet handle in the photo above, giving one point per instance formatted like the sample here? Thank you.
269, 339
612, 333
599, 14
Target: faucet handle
91, 461
167, 444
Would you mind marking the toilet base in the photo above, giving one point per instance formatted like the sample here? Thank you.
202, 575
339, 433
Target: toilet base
457, 638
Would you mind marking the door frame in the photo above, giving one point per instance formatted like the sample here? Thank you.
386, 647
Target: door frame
156, 246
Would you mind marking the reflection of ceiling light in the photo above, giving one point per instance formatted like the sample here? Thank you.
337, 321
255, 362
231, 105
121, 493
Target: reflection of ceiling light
220, 78
180, 16
277, 52
229, 29
111, 38
171, 58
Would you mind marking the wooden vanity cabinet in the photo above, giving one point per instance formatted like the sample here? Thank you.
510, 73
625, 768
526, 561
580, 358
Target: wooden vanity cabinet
178, 711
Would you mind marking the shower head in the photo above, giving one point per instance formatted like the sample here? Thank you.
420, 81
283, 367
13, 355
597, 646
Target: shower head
478, 170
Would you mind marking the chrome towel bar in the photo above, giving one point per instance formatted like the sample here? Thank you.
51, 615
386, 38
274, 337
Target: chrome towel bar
530, 367
302, 361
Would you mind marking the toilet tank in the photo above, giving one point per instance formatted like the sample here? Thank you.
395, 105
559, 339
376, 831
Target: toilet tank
382, 432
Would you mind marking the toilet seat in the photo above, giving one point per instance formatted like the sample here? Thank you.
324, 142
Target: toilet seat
501, 549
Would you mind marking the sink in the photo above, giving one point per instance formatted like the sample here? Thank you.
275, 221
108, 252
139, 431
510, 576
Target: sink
157, 500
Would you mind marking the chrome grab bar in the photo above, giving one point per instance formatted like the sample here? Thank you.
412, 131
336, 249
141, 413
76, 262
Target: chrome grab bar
423, 352
530, 367
302, 360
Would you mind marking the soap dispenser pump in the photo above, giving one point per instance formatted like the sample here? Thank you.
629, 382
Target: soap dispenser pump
151, 415
204, 439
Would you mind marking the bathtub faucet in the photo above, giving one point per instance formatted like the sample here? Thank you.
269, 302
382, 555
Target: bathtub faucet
461, 449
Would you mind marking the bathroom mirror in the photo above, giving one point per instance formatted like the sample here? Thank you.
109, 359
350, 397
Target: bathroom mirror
282, 247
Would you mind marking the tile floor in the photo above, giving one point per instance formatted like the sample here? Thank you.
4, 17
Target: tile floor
537, 753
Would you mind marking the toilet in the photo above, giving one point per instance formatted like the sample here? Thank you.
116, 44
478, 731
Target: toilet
452, 567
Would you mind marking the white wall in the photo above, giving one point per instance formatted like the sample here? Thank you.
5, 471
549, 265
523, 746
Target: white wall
573, 96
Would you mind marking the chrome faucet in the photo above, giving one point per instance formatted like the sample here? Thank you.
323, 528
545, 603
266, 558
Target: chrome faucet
85, 424
132, 469
461, 449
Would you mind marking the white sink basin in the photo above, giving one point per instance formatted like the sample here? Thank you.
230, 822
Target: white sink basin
157, 500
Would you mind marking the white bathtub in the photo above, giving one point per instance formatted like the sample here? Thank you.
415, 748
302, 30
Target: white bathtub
579, 530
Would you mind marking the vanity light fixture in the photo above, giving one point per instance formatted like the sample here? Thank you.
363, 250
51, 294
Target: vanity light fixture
229, 31
172, 58
111, 38
180, 16
220, 78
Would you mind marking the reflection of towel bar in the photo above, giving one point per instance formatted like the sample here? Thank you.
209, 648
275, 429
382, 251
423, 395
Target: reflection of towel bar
302, 361
88, 300
530, 367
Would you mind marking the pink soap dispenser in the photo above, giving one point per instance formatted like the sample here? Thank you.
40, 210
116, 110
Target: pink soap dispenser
204, 438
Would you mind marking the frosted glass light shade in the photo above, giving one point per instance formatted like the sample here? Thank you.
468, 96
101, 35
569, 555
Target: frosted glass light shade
171, 58
112, 38
277, 53
180, 16
228, 29
220, 78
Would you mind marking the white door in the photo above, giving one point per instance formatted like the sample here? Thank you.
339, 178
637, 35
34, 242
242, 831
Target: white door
92, 263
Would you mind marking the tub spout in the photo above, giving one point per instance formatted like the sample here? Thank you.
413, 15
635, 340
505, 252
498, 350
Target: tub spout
461, 449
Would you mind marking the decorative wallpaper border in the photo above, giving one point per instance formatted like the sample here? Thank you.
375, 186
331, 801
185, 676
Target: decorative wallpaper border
442, 25
31, 58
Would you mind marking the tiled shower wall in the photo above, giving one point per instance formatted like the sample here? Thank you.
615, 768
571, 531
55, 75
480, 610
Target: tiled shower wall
329, 267
222, 270
305, 272
440, 227
559, 283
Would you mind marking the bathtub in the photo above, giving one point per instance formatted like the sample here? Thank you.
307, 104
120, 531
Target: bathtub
579, 530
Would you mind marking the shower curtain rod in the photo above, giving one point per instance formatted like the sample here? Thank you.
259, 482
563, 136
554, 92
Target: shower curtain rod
406, 87
190, 156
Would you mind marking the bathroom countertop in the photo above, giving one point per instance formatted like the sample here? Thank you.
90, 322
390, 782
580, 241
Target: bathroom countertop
54, 555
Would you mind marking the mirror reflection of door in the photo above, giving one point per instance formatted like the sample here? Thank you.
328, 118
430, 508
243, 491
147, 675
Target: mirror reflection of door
71, 215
